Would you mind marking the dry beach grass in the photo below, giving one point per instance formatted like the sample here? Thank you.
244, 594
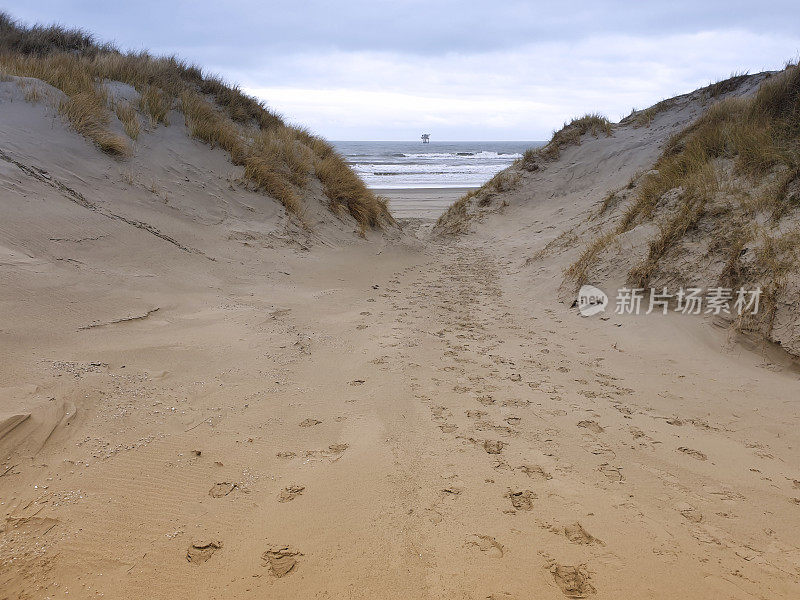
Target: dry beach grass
278, 158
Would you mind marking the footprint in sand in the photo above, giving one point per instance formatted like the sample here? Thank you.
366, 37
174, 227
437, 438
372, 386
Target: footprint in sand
593, 426
521, 499
486, 544
493, 446
281, 560
573, 581
333, 453
696, 454
440, 412
535, 472
290, 493
611, 472
516, 402
200, 551
309, 422
218, 490
448, 428
576, 534
689, 512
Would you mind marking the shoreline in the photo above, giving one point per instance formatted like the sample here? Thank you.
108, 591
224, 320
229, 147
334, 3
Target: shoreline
421, 203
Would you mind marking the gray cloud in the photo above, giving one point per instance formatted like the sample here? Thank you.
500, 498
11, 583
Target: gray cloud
417, 27
464, 69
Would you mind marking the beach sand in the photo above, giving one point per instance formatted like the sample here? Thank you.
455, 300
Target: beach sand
426, 203
202, 399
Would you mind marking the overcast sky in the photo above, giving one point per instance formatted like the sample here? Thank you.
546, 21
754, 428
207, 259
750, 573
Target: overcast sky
461, 70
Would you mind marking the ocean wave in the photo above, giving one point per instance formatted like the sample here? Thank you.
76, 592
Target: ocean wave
396, 173
420, 168
443, 164
484, 154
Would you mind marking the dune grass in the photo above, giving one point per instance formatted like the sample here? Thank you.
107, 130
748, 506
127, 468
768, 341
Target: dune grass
758, 137
32, 91
156, 104
569, 135
345, 190
759, 133
457, 217
88, 115
725, 86
644, 118
277, 159
209, 125
578, 271
129, 118
85, 107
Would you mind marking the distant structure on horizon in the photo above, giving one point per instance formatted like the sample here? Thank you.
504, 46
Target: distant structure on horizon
426, 138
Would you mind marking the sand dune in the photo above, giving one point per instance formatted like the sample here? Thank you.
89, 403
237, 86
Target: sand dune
201, 397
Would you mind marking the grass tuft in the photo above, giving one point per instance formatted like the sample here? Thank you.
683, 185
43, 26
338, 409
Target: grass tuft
210, 126
569, 135
33, 92
644, 118
129, 118
156, 104
88, 115
725, 86
456, 219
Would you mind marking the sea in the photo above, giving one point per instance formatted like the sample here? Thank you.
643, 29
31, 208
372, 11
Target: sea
409, 165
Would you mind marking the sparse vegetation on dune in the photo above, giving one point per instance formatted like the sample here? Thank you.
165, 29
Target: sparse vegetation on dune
724, 86
457, 217
644, 118
726, 184
88, 114
758, 134
209, 125
129, 118
277, 159
569, 135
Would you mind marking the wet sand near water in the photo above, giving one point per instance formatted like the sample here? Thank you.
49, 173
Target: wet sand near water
425, 203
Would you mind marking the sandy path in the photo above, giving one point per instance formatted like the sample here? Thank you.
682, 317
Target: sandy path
425, 426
